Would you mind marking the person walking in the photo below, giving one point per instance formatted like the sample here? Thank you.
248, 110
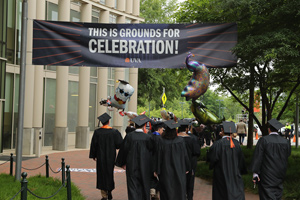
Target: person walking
241, 130
103, 147
135, 156
227, 160
193, 151
172, 164
269, 163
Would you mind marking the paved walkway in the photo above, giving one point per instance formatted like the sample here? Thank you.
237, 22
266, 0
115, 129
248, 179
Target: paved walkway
85, 177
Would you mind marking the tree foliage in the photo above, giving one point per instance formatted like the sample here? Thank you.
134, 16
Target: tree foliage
268, 43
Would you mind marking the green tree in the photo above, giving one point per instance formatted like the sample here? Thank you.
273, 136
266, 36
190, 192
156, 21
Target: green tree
267, 50
158, 11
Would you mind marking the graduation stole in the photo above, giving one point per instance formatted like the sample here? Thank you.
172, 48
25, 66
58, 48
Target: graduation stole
231, 142
106, 127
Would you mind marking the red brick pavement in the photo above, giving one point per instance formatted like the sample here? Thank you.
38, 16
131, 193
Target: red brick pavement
86, 181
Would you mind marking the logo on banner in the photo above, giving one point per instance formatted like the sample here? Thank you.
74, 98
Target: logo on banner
133, 60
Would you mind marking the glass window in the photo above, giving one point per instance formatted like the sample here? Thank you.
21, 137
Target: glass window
19, 25
52, 11
8, 112
92, 107
95, 16
72, 106
75, 16
3, 27
11, 24
116, 4
112, 18
102, 2
16, 108
94, 72
128, 21
50, 96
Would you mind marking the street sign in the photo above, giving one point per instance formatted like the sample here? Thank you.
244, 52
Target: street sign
164, 98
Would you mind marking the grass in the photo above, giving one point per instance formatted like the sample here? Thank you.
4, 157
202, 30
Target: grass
291, 185
39, 185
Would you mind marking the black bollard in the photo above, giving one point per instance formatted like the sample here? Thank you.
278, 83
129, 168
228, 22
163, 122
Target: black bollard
69, 195
24, 186
11, 164
47, 167
63, 171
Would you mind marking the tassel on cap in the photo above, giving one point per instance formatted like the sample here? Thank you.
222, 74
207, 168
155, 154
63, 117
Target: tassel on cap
231, 142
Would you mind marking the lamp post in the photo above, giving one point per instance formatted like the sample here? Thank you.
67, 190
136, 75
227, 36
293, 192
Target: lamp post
219, 100
182, 109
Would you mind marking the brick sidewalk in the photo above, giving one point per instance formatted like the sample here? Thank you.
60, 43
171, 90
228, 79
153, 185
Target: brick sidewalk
86, 181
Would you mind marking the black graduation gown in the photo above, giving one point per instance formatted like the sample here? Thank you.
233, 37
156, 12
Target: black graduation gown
103, 147
270, 160
135, 153
156, 139
171, 165
229, 165
193, 150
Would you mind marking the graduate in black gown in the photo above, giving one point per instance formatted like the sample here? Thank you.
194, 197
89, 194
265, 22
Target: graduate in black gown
227, 160
135, 157
158, 129
172, 164
103, 147
193, 150
269, 163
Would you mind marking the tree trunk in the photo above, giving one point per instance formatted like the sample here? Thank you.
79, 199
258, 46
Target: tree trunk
251, 106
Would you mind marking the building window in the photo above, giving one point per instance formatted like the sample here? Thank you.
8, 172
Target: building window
95, 16
14, 13
116, 4
52, 11
92, 106
75, 16
72, 106
128, 21
112, 18
102, 2
49, 110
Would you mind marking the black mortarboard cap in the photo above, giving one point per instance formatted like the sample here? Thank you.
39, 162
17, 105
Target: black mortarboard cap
140, 120
158, 124
276, 124
171, 124
104, 118
123, 82
184, 122
229, 127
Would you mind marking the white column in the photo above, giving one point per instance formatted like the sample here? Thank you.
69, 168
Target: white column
60, 136
102, 89
136, 7
110, 3
83, 129
118, 119
121, 5
102, 74
129, 6
28, 133
38, 90
121, 19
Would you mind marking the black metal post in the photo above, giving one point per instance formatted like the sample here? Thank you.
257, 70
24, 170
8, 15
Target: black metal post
69, 195
63, 175
11, 164
47, 167
24, 186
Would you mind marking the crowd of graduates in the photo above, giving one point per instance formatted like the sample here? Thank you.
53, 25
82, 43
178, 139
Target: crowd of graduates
160, 163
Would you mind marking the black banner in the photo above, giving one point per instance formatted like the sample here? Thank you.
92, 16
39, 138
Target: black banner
132, 45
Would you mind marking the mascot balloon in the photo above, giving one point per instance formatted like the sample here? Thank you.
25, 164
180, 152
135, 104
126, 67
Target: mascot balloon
123, 93
196, 87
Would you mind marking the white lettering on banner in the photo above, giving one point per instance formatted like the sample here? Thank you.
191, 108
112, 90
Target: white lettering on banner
89, 170
134, 46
